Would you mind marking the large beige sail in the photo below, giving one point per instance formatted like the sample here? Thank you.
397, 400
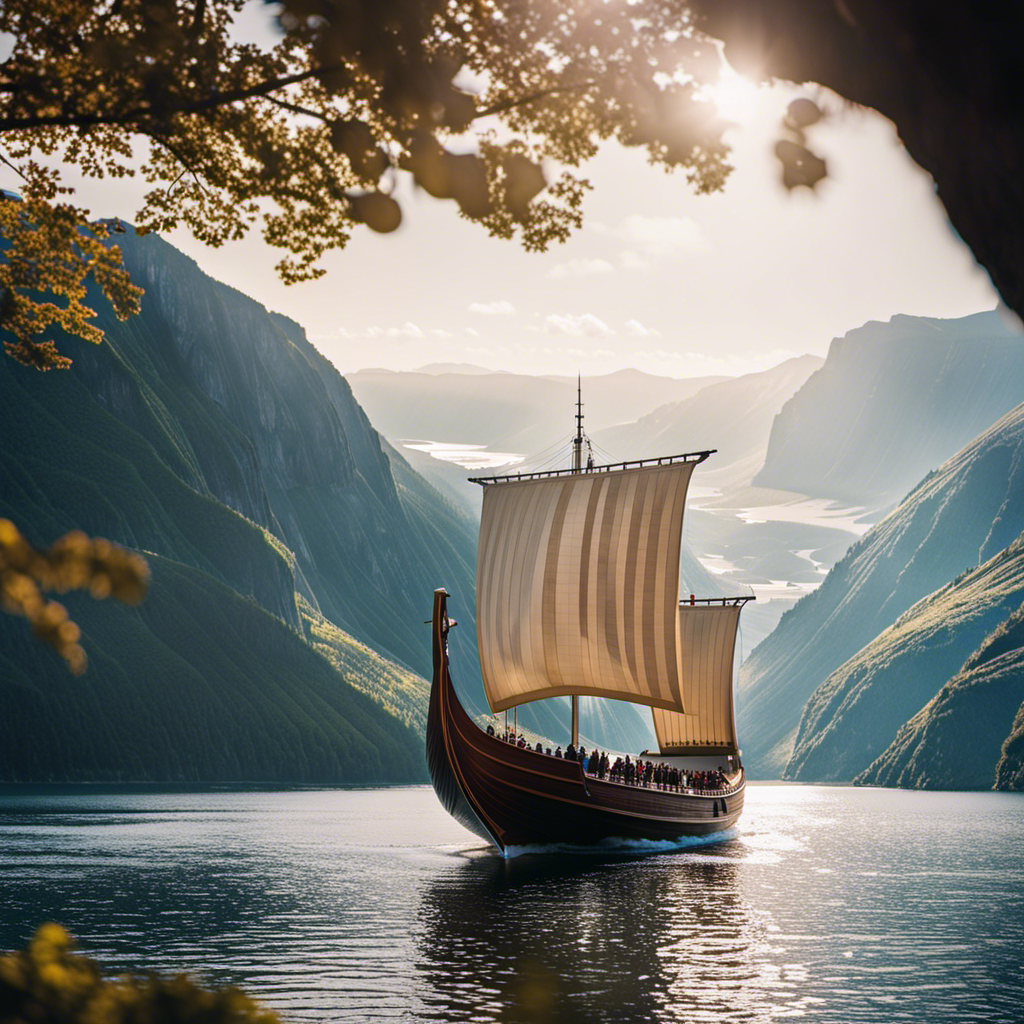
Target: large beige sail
707, 637
578, 585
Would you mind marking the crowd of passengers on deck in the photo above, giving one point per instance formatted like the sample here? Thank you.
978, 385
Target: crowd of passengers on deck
629, 772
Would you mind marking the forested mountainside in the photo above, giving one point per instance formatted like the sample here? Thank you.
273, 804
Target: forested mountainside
210, 433
892, 402
198, 684
954, 741
957, 518
278, 436
733, 416
858, 710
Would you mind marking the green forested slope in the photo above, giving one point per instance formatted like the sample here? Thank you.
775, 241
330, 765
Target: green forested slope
197, 684
954, 741
1010, 769
857, 712
958, 517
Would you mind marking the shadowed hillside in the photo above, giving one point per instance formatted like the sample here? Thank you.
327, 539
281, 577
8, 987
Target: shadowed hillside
857, 712
954, 741
198, 684
1010, 769
958, 517
209, 433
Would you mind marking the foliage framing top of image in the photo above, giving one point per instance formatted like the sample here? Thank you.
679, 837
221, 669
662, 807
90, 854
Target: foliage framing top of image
477, 101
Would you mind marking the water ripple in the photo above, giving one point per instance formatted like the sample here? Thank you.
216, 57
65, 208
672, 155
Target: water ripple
826, 905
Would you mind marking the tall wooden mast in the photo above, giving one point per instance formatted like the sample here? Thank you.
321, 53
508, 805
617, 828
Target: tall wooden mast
577, 467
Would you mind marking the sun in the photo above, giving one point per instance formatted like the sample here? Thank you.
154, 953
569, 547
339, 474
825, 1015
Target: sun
735, 96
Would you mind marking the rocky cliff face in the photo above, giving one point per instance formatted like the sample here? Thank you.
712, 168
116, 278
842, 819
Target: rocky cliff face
958, 517
892, 402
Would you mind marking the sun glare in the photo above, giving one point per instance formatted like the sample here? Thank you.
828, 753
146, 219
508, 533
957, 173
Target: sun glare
735, 96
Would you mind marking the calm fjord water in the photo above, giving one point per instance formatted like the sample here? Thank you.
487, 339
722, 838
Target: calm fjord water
825, 905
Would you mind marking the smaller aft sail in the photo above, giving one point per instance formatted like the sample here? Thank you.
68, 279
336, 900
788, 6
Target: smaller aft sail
707, 636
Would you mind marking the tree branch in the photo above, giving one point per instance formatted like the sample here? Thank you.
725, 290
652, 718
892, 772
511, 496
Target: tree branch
188, 168
136, 114
296, 109
17, 170
522, 101
196, 28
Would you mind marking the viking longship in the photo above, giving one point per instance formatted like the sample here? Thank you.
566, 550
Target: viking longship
578, 577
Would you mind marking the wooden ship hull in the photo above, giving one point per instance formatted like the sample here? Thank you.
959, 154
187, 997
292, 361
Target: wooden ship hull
512, 796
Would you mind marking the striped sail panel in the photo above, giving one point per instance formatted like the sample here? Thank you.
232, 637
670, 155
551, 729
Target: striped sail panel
578, 586
707, 636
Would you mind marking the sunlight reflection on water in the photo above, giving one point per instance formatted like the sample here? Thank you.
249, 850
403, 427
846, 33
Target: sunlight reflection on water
824, 905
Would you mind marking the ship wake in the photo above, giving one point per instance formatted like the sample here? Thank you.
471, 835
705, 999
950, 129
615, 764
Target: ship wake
622, 847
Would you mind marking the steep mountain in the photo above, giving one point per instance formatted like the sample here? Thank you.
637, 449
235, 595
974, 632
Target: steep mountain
958, 517
957, 738
506, 411
294, 553
856, 713
278, 436
893, 401
733, 416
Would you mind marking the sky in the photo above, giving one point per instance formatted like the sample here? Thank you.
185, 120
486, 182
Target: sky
658, 278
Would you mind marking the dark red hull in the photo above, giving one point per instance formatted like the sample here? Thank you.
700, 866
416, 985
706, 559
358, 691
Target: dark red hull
517, 797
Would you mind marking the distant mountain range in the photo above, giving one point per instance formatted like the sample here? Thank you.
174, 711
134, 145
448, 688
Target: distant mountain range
892, 402
507, 411
733, 416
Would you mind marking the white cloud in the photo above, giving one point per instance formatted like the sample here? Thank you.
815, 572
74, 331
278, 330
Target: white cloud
407, 330
581, 268
440, 332
635, 329
654, 235
577, 326
500, 308
472, 332
630, 260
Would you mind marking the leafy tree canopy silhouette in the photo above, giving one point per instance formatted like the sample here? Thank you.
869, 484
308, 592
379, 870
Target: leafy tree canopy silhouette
308, 138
